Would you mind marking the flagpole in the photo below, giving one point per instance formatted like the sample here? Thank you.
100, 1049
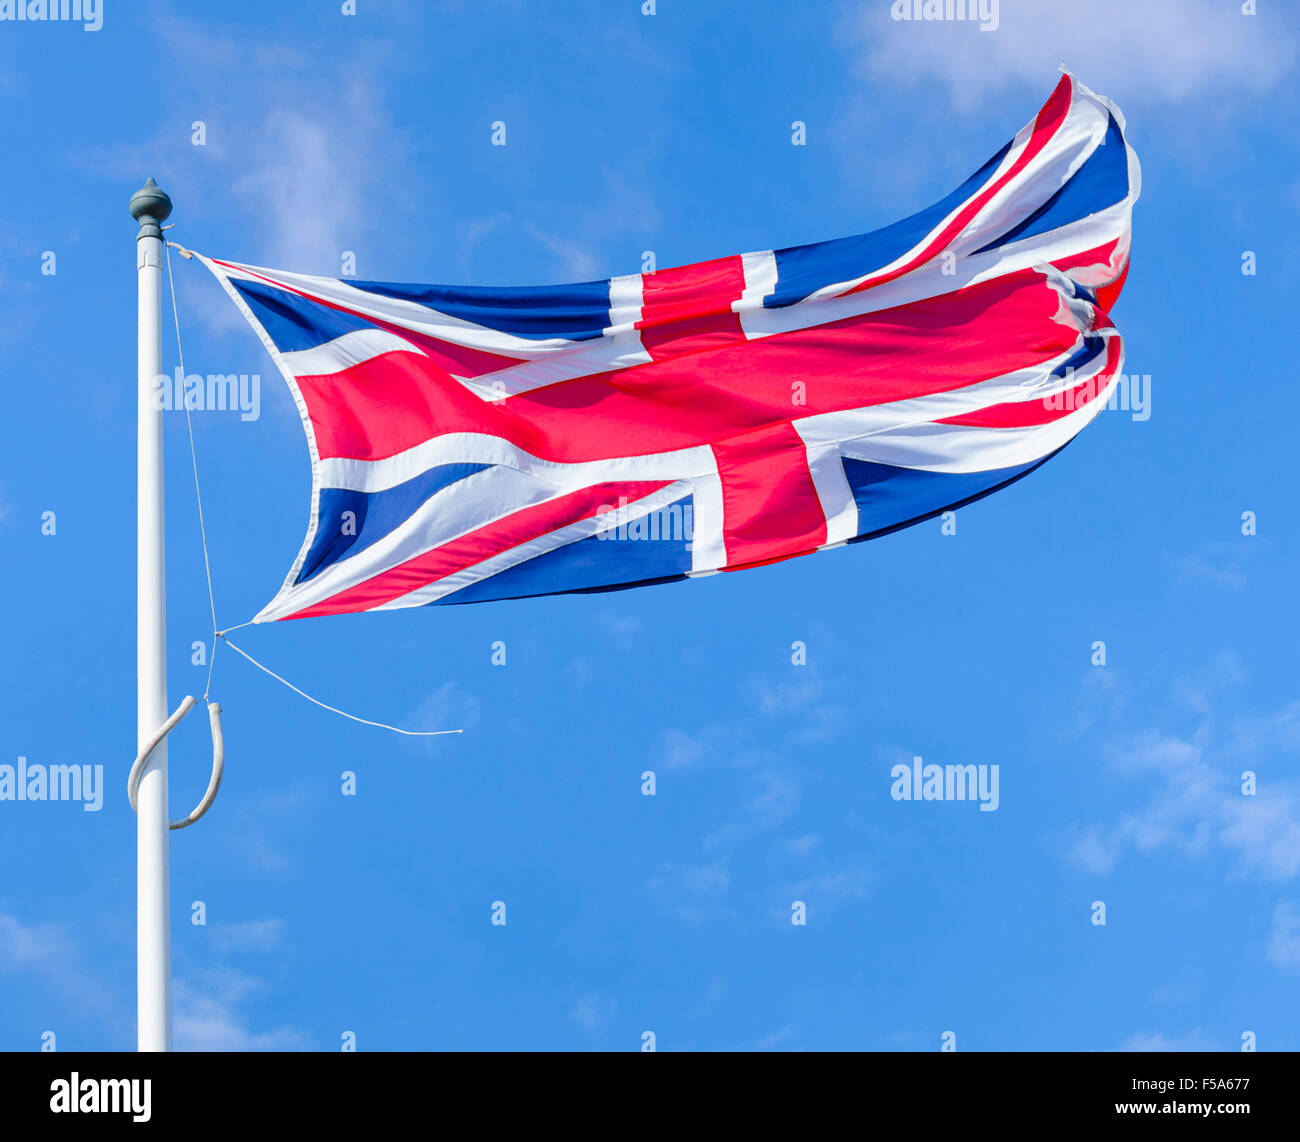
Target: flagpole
151, 207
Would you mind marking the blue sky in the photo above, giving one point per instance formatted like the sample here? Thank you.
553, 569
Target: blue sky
667, 132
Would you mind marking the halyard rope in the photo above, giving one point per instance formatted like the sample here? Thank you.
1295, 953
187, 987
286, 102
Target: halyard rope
194, 461
207, 565
335, 709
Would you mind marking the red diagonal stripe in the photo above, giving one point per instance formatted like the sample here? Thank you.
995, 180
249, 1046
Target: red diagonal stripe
1028, 413
1046, 124
480, 544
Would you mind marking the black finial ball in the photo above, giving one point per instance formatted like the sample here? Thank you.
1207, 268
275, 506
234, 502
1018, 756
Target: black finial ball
152, 202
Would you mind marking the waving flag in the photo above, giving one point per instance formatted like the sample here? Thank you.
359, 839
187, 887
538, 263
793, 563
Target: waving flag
470, 444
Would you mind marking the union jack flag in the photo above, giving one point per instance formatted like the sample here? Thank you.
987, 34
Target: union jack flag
470, 444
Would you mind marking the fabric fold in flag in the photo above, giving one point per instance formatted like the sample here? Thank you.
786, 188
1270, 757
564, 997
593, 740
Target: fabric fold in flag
470, 444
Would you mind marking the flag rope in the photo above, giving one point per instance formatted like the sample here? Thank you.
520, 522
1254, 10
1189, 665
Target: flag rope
335, 709
194, 461
221, 635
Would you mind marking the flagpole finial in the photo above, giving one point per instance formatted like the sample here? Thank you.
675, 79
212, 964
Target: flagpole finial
151, 207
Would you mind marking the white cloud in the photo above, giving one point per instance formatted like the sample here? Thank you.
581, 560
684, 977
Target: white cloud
1092, 848
696, 894
1199, 568
471, 233
307, 182
1170, 49
799, 696
1104, 694
678, 748
775, 801
788, 696
304, 160
593, 1011
43, 948
709, 880
802, 846
574, 260
258, 853
450, 707
830, 887
250, 936
1284, 946
1195, 1040
207, 1017
578, 262
1197, 806
1265, 829
49, 953
776, 1040
1199, 690
623, 628
709, 1001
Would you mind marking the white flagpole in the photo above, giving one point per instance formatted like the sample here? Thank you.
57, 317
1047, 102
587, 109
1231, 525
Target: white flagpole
151, 207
